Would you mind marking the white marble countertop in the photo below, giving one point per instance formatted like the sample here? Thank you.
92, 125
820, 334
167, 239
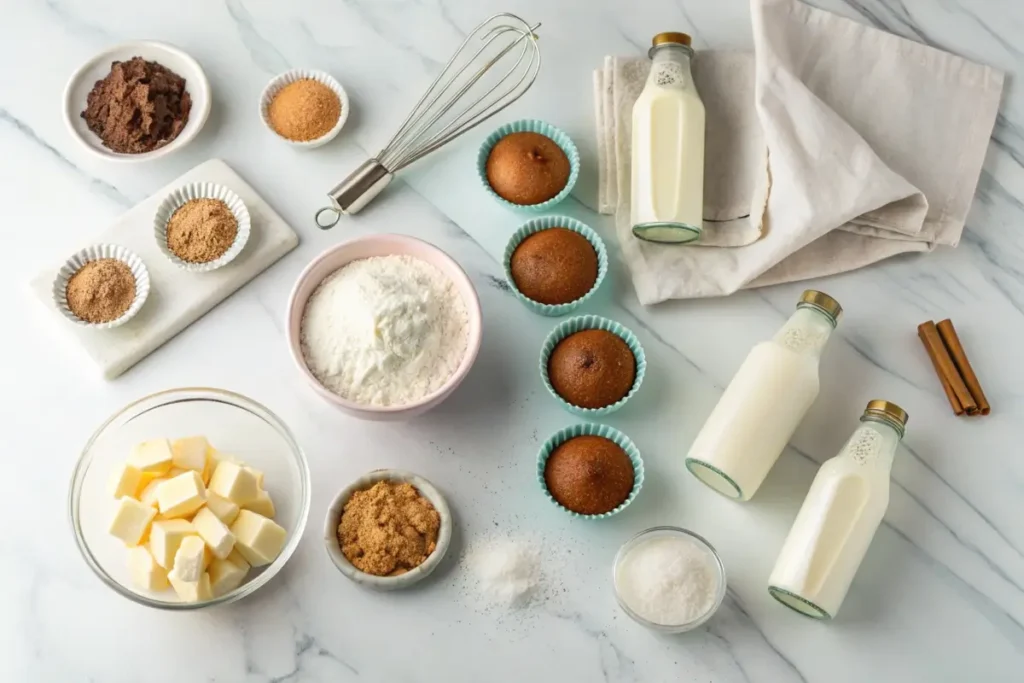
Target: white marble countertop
940, 596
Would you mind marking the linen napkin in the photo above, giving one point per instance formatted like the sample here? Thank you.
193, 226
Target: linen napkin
875, 145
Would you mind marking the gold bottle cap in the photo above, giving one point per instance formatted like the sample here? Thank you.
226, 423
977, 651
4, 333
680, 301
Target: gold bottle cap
823, 302
888, 411
671, 37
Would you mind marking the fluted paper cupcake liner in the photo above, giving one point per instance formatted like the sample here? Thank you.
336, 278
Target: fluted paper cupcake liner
177, 199
544, 223
95, 253
291, 76
592, 322
590, 429
530, 126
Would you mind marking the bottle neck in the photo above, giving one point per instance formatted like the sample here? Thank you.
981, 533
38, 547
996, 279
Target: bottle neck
806, 332
670, 67
874, 443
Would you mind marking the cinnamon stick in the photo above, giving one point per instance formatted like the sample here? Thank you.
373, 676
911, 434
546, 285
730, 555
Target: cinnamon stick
956, 391
956, 350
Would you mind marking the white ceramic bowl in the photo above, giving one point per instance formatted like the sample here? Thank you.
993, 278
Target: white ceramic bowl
382, 245
386, 583
82, 81
287, 77
178, 198
95, 253
234, 424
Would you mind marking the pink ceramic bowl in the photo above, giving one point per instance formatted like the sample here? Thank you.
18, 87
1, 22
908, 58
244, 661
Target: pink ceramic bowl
383, 245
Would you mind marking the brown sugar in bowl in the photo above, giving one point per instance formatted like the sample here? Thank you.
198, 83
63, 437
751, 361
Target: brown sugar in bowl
590, 470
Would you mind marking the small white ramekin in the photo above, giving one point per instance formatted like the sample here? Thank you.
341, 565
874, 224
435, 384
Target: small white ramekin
287, 77
415, 575
95, 253
177, 199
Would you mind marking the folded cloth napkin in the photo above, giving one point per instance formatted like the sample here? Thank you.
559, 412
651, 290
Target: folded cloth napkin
875, 145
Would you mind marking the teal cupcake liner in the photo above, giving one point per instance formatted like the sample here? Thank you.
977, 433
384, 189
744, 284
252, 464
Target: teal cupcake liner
590, 429
530, 126
592, 322
535, 225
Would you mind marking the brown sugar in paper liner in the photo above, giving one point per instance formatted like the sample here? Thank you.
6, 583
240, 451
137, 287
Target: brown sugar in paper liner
956, 391
956, 350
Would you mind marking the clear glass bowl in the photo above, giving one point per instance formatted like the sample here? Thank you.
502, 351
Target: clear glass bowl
234, 425
662, 531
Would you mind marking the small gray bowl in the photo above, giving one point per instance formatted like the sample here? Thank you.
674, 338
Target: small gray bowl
387, 583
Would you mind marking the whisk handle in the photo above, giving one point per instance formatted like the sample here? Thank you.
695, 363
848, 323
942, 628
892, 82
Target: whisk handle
361, 186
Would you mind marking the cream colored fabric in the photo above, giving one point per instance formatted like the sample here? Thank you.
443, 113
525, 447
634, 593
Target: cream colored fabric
875, 145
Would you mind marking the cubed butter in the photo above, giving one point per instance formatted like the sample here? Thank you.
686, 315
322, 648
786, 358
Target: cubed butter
189, 560
212, 458
227, 574
263, 505
131, 521
165, 538
234, 482
181, 495
148, 493
125, 480
257, 538
146, 573
256, 473
152, 456
190, 453
191, 591
225, 510
218, 537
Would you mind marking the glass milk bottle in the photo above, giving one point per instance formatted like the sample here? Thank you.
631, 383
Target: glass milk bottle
839, 517
765, 402
667, 195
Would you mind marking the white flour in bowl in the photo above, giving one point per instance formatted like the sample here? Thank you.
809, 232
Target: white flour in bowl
384, 331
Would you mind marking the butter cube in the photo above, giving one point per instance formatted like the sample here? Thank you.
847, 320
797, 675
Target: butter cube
263, 505
181, 495
191, 591
234, 482
227, 574
131, 521
148, 493
225, 510
257, 538
146, 573
152, 456
125, 481
212, 459
256, 473
218, 537
165, 538
190, 453
189, 561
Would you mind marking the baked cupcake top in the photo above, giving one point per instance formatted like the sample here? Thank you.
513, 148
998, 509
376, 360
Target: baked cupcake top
527, 168
589, 475
554, 266
592, 369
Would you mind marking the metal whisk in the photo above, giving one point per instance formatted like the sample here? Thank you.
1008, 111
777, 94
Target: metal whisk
493, 67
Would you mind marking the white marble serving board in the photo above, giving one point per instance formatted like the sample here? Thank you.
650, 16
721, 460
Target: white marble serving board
177, 298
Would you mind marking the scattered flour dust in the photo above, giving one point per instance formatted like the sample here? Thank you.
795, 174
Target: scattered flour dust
384, 331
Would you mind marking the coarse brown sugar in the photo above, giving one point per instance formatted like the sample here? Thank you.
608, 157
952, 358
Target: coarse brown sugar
304, 110
201, 230
101, 290
388, 529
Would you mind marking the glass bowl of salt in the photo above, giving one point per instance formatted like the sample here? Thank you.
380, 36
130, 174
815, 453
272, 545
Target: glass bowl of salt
668, 579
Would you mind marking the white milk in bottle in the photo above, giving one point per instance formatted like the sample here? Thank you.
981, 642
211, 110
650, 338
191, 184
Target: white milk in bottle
667, 189
765, 402
839, 517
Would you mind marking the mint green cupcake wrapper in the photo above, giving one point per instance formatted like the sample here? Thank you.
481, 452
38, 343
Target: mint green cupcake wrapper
590, 429
535, 225
592, 322
530, 126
